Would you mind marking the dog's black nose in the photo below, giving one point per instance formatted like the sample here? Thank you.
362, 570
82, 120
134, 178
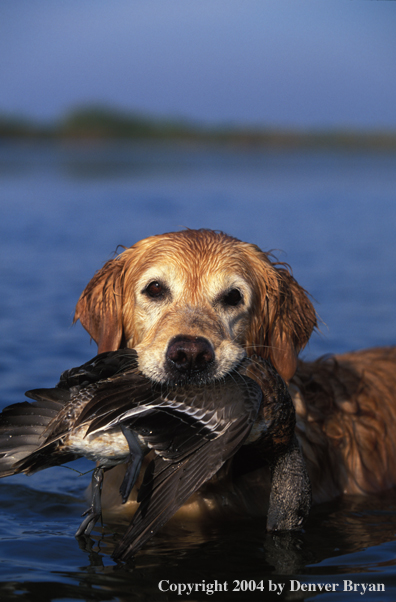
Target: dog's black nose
190, 354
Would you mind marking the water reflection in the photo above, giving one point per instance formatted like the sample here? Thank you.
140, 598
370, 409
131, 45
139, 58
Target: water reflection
352, 539
341, 541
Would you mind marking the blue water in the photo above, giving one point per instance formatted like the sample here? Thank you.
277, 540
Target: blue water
64, 209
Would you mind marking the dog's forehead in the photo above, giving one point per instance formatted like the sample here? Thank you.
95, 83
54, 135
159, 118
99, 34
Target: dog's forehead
170, 271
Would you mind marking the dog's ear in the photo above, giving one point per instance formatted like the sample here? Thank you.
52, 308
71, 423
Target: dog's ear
283, 318
99, 308
294, 319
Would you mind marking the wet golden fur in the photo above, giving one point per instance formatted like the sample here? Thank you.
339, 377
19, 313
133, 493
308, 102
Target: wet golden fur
346, 405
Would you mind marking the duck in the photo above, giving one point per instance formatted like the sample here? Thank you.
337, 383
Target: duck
107, 411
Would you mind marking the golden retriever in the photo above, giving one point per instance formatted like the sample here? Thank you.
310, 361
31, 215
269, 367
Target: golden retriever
193, 304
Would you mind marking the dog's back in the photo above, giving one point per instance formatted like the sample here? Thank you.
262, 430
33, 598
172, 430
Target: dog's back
346, 421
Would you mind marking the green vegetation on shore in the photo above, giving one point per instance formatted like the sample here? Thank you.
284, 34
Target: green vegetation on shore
101, 123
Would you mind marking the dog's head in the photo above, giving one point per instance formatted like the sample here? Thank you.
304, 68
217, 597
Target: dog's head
194, 303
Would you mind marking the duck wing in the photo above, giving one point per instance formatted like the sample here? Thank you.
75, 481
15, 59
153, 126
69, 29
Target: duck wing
194, 432
102, 366
22, 426
30, 431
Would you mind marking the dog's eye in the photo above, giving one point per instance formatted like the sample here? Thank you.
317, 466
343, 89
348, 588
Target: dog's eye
232, 298
155, 290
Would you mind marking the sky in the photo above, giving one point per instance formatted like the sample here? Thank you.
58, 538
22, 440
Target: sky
272, 63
